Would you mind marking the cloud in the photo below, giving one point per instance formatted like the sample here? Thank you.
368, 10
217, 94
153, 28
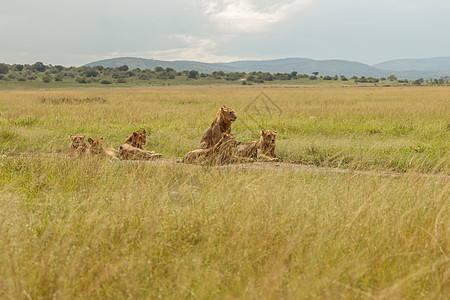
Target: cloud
245, 16
196, 48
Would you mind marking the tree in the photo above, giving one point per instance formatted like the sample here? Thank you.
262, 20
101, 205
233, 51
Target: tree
4, 68
18, 67
123, 68
192, 74
38, 66
293, 74
392, 77
91, 73
315, 73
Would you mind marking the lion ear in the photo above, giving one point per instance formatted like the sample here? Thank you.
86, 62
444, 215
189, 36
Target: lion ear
275, 132
135, 133
262, 132
71, 137
144, 132
83, 137
101, 139
90, 141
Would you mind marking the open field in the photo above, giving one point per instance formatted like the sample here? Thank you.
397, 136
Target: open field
364, 215
364, 128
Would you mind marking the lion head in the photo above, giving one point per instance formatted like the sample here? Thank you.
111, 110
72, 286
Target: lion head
138, 139
96, 144
226, 114
77, 141
268, 137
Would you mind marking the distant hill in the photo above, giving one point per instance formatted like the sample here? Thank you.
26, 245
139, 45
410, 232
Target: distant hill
144, 63
425, 64
418, 69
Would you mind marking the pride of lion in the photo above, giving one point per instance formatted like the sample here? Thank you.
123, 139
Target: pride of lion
217, 145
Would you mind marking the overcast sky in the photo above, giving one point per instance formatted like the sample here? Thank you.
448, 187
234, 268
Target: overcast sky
76, 32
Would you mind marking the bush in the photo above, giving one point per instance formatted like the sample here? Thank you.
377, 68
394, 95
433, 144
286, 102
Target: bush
46, 78
91, 73
4, 68
18, 67
123, 68
104, 81
38, 66
193, 74
81, 80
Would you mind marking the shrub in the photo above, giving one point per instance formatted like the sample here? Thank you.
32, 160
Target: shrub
81, 80
4, 68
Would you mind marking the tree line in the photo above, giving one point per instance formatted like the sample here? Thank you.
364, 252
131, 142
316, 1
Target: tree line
123, 74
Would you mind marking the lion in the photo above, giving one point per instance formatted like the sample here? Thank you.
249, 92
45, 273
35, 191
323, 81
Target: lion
77, 145
222, 123
133, 148
96, 148
264, 148
221, 153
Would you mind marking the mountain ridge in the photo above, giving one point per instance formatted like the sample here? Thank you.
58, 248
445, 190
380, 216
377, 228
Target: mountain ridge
301, 65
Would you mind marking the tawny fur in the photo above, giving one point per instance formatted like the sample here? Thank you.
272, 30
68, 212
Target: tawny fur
96, 148
221, 124
263, 149
219, 154
133, 148
77, 145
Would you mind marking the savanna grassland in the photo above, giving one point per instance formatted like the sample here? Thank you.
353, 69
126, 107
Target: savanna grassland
357, 208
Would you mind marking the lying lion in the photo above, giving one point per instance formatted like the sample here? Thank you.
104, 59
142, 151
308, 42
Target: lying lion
133, 148
221, 153
96, 148
222, 123
77, 145
264, 148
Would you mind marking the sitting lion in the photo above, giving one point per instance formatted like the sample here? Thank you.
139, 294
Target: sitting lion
133, 148
77, 145
264, 148
221, 124
221, 153
96, 148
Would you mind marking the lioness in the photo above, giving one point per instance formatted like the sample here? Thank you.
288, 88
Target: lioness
77, 145
133, 147
221, 153
221, 124
96, 148
264, 148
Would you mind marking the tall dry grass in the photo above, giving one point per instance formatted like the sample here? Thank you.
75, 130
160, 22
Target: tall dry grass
73, 228
96, 229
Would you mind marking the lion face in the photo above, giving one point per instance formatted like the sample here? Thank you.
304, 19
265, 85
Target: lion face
268, 137
96, 144
140, 138
77, 141
228, 114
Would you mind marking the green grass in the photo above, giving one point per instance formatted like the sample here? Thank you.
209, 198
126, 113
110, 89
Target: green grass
100, 229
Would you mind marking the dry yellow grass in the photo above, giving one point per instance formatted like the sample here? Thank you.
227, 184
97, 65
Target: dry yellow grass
96, 229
